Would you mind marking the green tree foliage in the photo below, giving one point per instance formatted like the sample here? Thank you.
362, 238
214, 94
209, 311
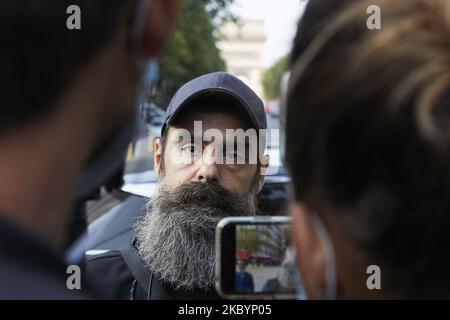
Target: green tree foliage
248, 240
272, 78
218, 9
192, 49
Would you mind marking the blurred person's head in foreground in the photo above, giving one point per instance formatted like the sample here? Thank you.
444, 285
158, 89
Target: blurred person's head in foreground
368, 140
65, 93
201, 179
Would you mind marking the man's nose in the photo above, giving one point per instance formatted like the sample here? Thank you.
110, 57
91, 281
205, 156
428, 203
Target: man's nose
207, 170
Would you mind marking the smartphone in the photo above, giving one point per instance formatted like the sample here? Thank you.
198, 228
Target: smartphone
254, 258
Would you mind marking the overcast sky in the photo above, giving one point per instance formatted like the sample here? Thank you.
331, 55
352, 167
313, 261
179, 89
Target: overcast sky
280, 18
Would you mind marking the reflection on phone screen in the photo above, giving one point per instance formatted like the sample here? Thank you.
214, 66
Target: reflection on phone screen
261, 256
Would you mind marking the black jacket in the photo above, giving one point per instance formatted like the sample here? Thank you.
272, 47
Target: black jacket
29, 269
122, 275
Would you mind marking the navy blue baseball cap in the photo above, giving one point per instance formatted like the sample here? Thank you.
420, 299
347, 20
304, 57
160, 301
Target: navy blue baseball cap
220, 82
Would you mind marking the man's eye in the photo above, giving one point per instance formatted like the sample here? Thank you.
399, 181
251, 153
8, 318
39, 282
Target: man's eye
190, 148
234, 158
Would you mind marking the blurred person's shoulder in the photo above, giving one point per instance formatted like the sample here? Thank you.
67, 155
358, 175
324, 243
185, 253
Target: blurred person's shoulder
21, 281
31, 270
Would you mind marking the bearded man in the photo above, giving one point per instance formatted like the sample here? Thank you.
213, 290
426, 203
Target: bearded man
209, 166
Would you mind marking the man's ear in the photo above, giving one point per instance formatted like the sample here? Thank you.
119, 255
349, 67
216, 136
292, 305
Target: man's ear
158, 24
157, 156
309, 251
263, 167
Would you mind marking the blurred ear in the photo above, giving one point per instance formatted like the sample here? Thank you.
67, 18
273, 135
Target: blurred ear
159, 23
310, 253
157, 157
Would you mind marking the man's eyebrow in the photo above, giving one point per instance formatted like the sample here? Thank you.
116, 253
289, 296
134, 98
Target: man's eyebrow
192, 139
180, 136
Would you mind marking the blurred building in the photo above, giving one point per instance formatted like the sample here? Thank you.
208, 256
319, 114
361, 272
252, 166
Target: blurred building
272, 241
241, 44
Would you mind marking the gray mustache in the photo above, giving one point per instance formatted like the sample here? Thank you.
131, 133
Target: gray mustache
209, 196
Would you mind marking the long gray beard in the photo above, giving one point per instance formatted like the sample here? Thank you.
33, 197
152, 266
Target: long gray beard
176, 238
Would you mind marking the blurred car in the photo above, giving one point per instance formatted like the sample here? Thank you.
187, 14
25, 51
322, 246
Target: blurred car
273, 108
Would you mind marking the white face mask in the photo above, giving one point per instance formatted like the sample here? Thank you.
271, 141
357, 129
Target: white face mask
330, 263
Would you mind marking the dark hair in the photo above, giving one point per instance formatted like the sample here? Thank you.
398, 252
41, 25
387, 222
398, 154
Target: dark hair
39, 55
318, 14
368, 133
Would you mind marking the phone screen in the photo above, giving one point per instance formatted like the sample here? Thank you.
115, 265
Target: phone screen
254, 259
259, 255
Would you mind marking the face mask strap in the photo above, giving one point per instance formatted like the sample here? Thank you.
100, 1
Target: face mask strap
297, 278
144, 67
137, 31
330, 260
137, 36
110, 157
